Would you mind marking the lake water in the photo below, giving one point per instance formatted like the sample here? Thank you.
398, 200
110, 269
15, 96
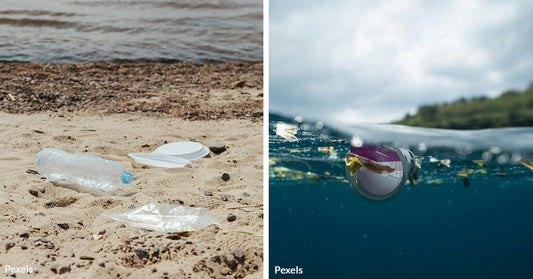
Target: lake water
440, 228
66, 31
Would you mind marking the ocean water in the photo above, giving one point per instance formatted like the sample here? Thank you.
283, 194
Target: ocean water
72, 31
441, 228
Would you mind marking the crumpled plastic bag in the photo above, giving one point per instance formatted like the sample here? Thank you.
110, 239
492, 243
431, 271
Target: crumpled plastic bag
165, 218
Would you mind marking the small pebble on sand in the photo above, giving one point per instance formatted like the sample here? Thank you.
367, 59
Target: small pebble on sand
238, 254
231, 217
225, 177
217, 148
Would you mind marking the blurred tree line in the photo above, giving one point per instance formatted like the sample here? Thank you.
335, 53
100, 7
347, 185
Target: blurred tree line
511, 109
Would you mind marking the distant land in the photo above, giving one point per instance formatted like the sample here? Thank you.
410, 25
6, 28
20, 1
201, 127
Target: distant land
511, 109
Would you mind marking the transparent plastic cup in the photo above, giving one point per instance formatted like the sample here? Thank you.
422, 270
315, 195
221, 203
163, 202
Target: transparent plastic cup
378, 173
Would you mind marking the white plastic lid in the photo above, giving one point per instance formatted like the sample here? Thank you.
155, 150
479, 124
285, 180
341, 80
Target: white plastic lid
179, 148
159, 160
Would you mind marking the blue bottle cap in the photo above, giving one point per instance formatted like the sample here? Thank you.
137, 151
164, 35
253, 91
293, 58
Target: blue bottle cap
127, 178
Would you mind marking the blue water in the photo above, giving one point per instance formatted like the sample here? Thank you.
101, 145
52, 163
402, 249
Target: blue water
431, 230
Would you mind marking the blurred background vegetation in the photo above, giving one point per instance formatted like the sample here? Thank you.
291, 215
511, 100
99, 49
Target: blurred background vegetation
511, 109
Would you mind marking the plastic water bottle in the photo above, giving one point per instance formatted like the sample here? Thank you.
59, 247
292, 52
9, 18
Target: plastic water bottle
86, 170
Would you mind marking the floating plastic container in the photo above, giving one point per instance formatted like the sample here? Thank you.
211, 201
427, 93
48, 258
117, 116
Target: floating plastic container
378, 173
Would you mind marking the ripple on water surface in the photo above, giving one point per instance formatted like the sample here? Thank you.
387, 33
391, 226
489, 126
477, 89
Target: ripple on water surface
88, 30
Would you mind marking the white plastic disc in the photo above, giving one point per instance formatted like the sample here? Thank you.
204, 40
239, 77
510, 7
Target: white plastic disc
159, 160
204, 151
185, 149
179, 148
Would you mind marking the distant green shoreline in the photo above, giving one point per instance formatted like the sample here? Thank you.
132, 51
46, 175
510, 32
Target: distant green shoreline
511, 109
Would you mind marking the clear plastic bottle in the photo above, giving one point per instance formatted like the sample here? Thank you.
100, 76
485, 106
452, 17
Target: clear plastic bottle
86, 170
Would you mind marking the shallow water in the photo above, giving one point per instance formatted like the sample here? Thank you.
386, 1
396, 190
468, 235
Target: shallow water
440, 228
66, 31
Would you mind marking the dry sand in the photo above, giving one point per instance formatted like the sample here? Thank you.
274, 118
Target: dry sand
56, 226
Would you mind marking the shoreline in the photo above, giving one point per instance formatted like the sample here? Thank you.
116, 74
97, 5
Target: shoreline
184, 90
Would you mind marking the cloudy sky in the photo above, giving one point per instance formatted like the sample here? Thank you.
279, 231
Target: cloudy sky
357, 61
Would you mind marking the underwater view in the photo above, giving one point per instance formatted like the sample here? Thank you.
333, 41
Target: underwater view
459, 208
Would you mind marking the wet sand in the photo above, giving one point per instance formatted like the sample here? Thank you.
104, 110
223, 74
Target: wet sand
184, 90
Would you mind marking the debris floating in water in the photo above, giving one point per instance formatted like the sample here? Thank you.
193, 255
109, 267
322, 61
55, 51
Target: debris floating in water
528, 163
353, 163
486, 154
326, 149
466, 172
443, 162
288, 174
287, 131
330, 150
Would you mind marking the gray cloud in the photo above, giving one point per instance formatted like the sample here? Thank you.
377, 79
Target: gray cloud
374, 61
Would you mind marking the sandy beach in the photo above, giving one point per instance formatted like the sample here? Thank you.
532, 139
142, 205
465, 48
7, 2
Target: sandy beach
57, 227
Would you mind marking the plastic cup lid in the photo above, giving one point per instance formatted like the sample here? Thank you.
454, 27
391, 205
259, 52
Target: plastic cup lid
180, 148
159, 160
204, 151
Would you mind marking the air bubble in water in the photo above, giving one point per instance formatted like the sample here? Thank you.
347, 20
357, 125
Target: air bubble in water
502, 159
495, 150
516, 157
465, 150
357, 141
422, 147
299, 119
319, 125
486, 156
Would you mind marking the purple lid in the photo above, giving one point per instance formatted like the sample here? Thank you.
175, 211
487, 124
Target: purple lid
376, 153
